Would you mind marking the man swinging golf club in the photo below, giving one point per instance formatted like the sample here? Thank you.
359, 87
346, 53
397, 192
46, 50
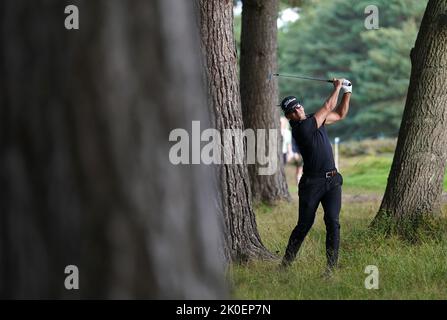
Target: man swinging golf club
320, 181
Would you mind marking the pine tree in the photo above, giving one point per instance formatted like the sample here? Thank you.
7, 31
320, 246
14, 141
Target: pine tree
330, 40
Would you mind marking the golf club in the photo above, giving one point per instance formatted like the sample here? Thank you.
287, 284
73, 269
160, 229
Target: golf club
303, 78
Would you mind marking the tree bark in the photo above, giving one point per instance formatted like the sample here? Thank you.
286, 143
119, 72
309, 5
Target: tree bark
216, 22
259, 94
415, 182
85, 174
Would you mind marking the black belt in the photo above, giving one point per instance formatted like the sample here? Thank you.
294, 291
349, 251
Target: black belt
327, 174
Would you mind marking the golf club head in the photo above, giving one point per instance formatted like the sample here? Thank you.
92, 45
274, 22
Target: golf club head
271, 75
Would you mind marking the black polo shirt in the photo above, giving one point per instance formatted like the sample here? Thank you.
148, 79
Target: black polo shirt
314, 144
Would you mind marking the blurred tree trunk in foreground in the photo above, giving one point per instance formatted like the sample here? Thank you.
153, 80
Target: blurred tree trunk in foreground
259, 95
415, 182
85, 174
216, 22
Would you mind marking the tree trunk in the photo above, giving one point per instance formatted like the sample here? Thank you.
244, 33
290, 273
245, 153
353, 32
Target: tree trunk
216, 23
415, 182
84, 167
259, 94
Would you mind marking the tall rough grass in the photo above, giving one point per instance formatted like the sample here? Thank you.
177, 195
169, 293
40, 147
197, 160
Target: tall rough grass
406, 270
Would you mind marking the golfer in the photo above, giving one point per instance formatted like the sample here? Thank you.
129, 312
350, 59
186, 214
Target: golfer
320, 181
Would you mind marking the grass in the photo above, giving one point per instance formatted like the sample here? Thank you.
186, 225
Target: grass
362, 174
406, 271
365, 174
368, 174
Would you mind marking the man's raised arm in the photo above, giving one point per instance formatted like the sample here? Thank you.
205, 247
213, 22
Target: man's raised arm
329, 105
342, 109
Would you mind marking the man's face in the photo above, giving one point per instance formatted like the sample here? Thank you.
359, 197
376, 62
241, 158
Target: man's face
298, 114
301, 112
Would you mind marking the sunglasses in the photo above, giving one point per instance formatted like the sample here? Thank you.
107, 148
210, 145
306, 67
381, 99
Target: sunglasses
297, 106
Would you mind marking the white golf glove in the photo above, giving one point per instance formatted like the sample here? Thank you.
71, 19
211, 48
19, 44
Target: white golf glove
347, 86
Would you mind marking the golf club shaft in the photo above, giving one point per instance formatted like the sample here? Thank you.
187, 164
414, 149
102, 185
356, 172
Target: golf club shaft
300, 77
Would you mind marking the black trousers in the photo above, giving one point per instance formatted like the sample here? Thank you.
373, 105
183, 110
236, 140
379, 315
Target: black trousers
312, 191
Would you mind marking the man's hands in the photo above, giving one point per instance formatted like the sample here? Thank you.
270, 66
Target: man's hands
338, 83
342, 84
345, 87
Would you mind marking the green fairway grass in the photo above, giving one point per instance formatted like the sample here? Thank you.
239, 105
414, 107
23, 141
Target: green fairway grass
362, 174
365, 174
